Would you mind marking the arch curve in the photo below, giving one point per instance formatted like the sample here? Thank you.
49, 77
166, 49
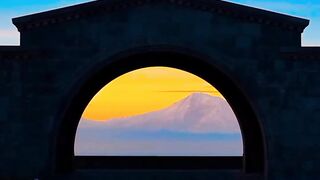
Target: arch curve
100, 75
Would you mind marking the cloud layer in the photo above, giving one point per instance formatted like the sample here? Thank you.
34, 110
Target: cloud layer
9, 37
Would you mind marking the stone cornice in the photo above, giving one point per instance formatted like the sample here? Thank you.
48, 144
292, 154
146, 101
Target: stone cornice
106, 6
303, 53
17, 53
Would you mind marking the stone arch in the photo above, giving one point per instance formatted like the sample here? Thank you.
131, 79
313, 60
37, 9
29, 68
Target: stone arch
251, 130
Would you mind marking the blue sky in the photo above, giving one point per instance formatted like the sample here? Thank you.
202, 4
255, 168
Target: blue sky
309, 9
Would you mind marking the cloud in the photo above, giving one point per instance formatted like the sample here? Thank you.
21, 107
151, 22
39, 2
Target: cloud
9, 37
166, 147
187, 91
8, 33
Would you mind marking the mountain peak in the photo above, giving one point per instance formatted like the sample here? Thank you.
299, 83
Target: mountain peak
198, 95
200, 99
197, 113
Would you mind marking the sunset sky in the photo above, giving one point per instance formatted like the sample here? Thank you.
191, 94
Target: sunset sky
144, 90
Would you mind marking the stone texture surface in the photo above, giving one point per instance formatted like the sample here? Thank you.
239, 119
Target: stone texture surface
40, 76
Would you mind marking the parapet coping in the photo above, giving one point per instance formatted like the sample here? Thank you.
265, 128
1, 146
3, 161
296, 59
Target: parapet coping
97, 7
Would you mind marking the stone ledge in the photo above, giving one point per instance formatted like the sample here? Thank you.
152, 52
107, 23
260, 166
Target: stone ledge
303, 53
215, 6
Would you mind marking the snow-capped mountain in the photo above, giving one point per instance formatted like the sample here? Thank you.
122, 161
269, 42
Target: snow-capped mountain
197, 113
199, 120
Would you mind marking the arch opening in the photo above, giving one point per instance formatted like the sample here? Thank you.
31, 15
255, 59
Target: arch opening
158, 111
253, 157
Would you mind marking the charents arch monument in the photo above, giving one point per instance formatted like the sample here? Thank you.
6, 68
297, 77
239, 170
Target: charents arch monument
252, 56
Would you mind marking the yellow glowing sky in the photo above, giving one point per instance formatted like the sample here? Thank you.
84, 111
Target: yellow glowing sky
144, 90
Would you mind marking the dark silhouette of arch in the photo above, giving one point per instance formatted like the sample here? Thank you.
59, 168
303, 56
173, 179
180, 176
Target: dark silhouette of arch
101, 74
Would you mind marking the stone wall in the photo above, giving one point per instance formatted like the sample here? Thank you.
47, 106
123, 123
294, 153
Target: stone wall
39, 78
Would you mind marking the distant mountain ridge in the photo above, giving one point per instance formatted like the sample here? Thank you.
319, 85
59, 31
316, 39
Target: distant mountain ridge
199, 120
197, 113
